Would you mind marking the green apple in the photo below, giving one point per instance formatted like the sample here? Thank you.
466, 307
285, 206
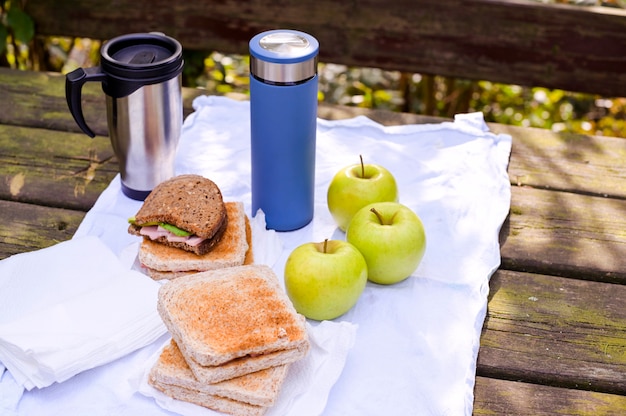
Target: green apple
325, 280
356, 186
391, 238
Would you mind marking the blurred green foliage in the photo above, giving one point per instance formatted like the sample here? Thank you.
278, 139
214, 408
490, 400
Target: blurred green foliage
16, 32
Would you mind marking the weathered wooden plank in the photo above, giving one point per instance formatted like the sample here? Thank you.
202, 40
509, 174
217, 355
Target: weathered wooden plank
565, 161
555, 331
502, 397
28, 227
37, 99
565, 234
54, 168
509, 41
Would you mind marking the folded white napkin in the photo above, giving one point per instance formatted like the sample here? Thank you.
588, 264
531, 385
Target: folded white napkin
69, 308
308, 382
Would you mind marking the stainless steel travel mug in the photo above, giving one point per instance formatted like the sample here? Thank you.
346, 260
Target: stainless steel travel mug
140, 75
283, 117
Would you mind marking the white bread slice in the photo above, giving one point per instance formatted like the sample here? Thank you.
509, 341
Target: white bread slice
245, 365
219, 315
210, 401
260, 388
234, 248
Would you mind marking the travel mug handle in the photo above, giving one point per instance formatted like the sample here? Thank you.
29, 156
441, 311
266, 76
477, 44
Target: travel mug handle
73, 90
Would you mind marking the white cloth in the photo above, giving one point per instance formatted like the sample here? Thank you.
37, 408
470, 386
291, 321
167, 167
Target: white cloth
416, 342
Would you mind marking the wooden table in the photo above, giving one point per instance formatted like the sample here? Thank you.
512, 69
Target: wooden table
554, 341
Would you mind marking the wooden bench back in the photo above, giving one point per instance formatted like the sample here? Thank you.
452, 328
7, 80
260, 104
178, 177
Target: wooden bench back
509, 41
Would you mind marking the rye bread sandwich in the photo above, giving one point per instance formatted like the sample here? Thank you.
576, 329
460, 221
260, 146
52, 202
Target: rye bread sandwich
186, 212
161, 261
248, 394
219, 316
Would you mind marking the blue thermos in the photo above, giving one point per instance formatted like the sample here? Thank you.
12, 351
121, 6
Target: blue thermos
283, 117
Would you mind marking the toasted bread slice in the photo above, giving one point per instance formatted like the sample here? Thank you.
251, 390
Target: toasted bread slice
210, 401
233, 249
245, 365
190, 202
219, 315
259, 388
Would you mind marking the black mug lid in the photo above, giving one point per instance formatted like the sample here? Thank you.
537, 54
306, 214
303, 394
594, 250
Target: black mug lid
148, 57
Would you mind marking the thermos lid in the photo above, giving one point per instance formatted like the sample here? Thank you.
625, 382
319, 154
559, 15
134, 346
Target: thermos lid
149, 57
283, 56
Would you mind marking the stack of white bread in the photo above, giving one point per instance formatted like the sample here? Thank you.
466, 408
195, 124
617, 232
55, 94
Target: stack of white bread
234, 334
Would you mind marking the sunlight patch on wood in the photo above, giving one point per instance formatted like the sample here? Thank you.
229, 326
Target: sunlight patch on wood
16, 184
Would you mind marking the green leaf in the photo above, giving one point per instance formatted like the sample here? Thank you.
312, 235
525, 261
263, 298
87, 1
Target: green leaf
22, 25
169, 227
175, 230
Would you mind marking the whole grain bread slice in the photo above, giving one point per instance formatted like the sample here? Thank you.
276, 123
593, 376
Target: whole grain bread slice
219, 315
233, 249
190, 202
260, 388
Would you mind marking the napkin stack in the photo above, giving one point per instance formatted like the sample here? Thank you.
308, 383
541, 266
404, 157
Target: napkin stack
69, 308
